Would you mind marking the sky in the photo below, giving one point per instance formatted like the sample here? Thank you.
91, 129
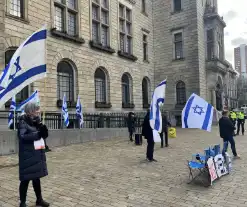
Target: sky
234, 13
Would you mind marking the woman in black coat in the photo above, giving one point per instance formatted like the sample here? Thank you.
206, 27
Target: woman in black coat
131, 125
32, 163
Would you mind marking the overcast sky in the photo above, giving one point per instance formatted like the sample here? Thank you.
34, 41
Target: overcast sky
235, 16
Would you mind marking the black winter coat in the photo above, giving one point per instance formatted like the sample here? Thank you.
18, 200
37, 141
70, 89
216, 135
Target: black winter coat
165, 124
226, 127
147, 131
131, 123
32, 163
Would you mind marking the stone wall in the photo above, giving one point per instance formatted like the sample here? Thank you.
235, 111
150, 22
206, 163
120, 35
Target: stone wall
58, 138
84, 59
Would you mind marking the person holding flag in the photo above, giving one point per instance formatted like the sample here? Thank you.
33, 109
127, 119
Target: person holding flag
152, 125
79, 113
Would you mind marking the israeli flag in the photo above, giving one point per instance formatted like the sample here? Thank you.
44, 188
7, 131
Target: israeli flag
27, 65
34, 98
155, 117
12, 112
197, 113
65, 112
79, 113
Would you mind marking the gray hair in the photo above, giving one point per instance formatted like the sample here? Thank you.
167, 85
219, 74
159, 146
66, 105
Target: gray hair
30, 108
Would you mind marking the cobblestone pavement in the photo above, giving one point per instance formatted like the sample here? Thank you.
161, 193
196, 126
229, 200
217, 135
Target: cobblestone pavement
113, 173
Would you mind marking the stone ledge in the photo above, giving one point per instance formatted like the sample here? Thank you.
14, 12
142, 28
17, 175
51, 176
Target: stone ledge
63, 35
99, 46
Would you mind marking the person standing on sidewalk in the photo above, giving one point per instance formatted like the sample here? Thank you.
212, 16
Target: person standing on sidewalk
147, 132
32, 162
131, 125
226, 133
165, 125
240, 122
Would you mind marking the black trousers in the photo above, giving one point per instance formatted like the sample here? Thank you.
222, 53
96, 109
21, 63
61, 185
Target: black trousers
240, 123
162, 138
23, 190
150, 149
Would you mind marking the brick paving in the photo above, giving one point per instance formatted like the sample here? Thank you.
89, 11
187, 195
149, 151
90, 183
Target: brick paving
113, 173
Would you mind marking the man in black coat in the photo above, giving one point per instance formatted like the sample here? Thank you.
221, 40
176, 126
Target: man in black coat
147, 132
131, 125
226, 133
165, 125
32, 162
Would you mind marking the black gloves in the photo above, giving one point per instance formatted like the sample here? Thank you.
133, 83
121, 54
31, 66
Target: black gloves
43, 131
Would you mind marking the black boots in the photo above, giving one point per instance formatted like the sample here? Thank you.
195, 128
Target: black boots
42, 203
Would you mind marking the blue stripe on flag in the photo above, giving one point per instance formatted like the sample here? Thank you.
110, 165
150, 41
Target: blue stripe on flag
4, 73
187, 110
27, 100
23, 77
37, 36
207, 117
157, 121
162, 83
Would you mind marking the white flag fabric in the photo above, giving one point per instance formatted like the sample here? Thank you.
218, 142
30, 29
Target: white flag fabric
197, 113
65, 112
34, 98
79, 113
155, 119
11, 112
27, 65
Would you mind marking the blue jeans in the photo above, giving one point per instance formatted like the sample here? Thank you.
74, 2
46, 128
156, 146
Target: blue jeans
225, 145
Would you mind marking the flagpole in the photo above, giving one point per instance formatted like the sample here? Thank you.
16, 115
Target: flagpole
14, 114
45, 82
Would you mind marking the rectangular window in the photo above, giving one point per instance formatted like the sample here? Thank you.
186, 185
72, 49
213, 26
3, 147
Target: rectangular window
210, 44
178, 45
17, 8
144, 6
125, 29
100, 22
177, 5
68, 9
145, 48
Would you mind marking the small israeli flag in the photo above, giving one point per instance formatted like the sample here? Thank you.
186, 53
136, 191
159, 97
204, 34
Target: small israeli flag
12, 112
79, 113
197, 113
155, 118
33, 98
65, 112
27, 65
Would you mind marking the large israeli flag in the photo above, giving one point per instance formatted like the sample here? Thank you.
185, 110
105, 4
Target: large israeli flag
34, 98
155, 117
27, 65
197, 113
12, 112
79, 113
65, 112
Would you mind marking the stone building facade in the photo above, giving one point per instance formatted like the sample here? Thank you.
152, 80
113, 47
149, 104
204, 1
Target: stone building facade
112, 53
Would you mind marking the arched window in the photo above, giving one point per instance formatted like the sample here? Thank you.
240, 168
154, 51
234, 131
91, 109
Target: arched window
218, 97
126, 89
145, 92
24, 93
100, 86
181, 93
65, 81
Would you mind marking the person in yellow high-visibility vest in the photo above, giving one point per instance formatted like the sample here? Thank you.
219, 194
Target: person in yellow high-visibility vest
233, 117
241, 122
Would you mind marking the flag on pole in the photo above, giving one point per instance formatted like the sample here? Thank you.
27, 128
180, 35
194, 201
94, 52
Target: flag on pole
34, 98
79, 113
65, 112
27, 65
155, 119
12, 112
197, 113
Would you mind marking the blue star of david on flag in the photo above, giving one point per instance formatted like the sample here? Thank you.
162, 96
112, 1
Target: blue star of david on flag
197, 106
198, 110
18, 68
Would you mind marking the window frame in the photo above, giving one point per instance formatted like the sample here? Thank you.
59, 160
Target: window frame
174, 10
66, 10
176, 42
124, 33
144, 6
146, 100
178, 93
145, 47
129, 88
24, 10
71, 77
99, 22
105, 91
210, 42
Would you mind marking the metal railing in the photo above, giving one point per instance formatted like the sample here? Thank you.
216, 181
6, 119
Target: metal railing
54, 120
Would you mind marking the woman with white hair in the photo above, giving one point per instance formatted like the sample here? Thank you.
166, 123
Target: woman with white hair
32, 162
